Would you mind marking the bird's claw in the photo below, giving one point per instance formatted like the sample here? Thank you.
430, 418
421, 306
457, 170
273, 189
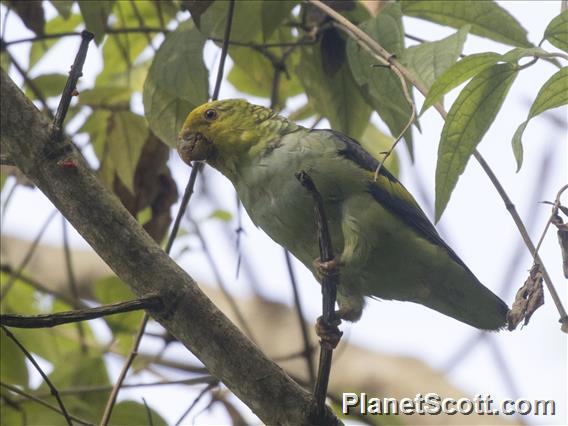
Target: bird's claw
328, 331
329, 268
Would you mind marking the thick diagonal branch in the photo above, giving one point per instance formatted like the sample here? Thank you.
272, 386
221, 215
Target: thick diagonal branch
144, 266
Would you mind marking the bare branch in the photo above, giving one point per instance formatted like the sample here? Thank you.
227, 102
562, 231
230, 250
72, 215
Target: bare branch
59, 318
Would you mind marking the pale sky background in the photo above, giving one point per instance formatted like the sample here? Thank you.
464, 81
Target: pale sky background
475, 224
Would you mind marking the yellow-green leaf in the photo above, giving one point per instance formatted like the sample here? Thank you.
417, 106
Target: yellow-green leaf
457, 74
13, 368
176, 83
48, 85
467, 122
553, 94
557, 31
487, 18
127, 133
429, 60
95, 14
378, 85
335, 97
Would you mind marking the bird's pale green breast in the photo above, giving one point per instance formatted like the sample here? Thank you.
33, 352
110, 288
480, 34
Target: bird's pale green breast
388, 247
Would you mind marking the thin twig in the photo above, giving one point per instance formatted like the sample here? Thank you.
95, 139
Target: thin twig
78, 33
550, 219
329, 285
105, 388
42, 402
71, 279
195, 401
59, 318
377, 51
308, 350
218, 277
71, 85
224, 49
116, 388
30, 358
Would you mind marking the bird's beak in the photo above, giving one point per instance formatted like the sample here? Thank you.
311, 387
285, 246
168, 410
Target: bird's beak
193, 146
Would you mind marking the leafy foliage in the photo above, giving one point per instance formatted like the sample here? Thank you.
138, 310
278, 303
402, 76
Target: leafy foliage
287, 54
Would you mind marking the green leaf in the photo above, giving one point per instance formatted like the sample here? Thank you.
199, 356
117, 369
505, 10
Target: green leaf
176, 83
429, 60
487, 18
467, 122
55, 25
457, 74
13, 368
196, 8
95, 14
253, 72
553, 94
121, 52
517, 53
127, 133
48, 84
378, 85
31, 13
178, 66
337, 97
63, 7
222, 215
273, 14
303, 113
124, 326
246, 25
78, 369
165, 113
377, 144
557, 31
106, 97
130, 413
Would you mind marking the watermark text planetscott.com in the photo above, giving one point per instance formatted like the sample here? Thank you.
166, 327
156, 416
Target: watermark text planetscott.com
433, 404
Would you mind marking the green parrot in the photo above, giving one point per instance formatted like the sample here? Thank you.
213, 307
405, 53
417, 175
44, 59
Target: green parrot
386, 246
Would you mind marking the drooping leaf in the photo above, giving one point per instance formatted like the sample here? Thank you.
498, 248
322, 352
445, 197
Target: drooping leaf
63, 7
95, 14
458, 73
553, 94
337, 97
429, 60
487, 18
127, 133
196, 8
303, 113
31, 13
467, 122
55, 25
176, 83
517, 53
381, 88
48, 85
557, 31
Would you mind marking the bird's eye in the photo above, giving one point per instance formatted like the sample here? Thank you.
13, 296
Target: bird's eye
210, 114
